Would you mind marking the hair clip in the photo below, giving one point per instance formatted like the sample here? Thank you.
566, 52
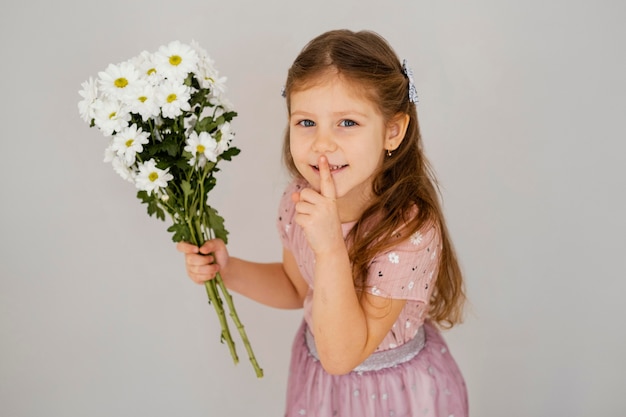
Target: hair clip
283, 92
412, 90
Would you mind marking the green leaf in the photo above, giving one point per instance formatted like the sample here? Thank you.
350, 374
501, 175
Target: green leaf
186, 187
154, 209
187, 81
180, 232
228, 116
216, 223
229, 153
144, 196
206, 125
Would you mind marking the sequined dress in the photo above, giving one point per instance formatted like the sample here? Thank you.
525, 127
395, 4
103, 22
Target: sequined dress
411, 373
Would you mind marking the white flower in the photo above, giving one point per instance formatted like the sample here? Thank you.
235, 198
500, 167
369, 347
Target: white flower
144, 102
152, 179
129, 142
205, 73
176, 60
110, 116
118, 81
203, 147
109, 153
123, 170
416, 238
226, 137
394, 258
89, 93
218, 86
146, 64
173, 97
220, 102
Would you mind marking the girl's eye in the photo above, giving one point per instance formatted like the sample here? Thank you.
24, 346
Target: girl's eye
347, 123
306, 123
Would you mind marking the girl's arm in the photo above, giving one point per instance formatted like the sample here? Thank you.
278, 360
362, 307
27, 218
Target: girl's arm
277, 285
347, 330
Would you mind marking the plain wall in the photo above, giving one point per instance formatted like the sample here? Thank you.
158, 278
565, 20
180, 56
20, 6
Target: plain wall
522, 114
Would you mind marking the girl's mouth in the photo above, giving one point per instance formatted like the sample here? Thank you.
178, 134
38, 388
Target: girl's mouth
333, 168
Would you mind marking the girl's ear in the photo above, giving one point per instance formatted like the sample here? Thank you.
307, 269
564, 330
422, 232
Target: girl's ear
396, 129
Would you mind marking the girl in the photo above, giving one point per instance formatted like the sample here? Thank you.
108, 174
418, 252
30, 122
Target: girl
366, 250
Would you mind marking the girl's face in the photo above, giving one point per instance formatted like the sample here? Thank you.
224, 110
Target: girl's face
332, 118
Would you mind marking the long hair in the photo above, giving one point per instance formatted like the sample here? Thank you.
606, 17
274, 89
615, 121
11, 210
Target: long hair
404, 181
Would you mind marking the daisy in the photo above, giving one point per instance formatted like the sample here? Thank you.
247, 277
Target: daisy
129, 142
202, 147
109, 153
222, 105
110, 116
89, 93
144, 101
205, 63
118, 81
123, 170
206, 73
152, 179
146, 64
173, 97
176, 60
226, 136
218, 86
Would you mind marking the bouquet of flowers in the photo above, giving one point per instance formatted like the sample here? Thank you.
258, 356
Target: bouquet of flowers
169, 126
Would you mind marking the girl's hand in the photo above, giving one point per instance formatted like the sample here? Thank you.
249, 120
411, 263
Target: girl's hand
317, 213
204, 262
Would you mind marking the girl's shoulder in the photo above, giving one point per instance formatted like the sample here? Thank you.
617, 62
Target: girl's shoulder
286, 211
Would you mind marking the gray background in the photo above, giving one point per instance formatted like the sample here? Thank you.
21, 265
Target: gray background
522, 111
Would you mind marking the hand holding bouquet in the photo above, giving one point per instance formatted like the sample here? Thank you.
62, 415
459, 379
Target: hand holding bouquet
169, 126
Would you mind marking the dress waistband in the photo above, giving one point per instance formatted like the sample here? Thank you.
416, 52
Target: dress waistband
383, 359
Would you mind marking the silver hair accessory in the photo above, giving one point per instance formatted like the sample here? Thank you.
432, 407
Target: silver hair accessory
409, 74
283, 92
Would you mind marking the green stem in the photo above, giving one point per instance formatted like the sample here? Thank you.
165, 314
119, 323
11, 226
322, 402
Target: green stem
235, 317
211, 289
214, 297
240, 327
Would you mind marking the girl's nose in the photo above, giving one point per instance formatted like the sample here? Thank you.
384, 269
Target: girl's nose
324, 142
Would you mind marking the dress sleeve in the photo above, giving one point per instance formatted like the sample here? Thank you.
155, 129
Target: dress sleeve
408, 270
286, 213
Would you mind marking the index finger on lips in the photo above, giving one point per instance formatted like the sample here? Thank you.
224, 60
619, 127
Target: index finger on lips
327, 183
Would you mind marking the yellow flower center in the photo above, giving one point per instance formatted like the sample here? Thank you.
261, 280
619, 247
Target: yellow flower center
142, 99
200, 148
151, 71
175, 60
153, 176
171, 98
121, 82
129, 143
112, 115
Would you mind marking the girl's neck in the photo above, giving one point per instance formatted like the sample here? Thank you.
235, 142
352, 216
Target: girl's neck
351, 207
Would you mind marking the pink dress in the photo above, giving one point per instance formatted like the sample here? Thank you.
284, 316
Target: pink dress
412, 372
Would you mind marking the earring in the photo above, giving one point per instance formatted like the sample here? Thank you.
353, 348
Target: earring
388, 152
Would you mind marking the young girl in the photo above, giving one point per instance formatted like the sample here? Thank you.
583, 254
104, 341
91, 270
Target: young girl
366, 250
